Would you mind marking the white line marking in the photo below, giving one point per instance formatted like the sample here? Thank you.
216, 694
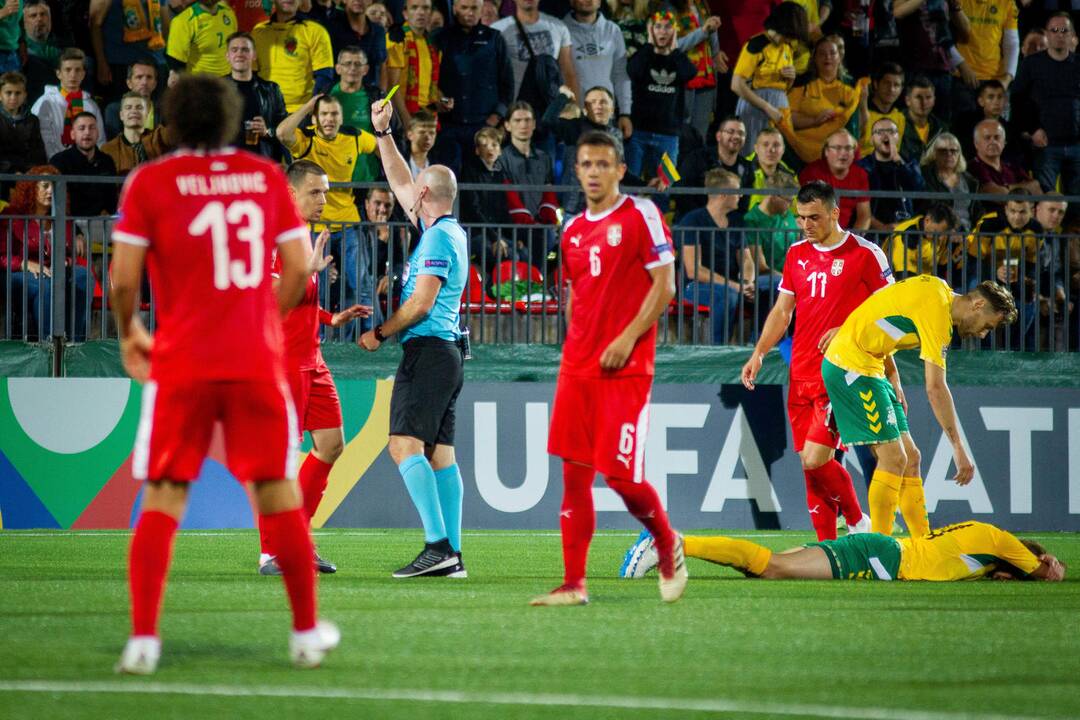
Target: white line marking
715, 705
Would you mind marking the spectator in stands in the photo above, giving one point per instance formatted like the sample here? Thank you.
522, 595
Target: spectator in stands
20, 133
837, 167
351, 27
387, 263
944, 170
766, 162
631, 16
476, 73
336, 149
488, 207
771, 230
1050, 213
264, 105
713, 256
85, 158
924, 31
766, 70
10, 21
692, 167
123, 32
136, 145
886, 86
1034, 42
599, 55
1046, 104
822, 104
567, 123
295, 54
196, 42
659, 73
414, 63
356, 99
142, 79
991, 101
888, 171
321, 11
697, 32
989, 49
1005, 246
526, 164
995, 173
927, 245
27, 257
546, 34
43, 48
921, 125
58, 107
421, 135
377, 13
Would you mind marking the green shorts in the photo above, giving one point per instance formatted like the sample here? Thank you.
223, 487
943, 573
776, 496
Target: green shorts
865, 556
865, 409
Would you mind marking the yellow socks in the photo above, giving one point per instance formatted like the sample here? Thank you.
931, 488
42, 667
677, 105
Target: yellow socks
913, 506
740, 554
884, 499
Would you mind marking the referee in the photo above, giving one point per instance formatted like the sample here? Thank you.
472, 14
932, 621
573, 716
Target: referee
430, 376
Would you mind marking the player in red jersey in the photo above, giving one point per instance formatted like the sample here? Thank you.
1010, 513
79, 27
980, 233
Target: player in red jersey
618, 260
826, 276
318, 408
205, 221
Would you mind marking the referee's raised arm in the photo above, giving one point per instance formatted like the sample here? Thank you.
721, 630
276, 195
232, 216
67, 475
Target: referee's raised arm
394, 166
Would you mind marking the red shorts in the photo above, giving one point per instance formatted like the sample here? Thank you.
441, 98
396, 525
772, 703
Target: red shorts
808, 410
316, 399
602, 423
177, 423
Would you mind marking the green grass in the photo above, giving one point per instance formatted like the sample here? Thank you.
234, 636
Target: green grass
730, 648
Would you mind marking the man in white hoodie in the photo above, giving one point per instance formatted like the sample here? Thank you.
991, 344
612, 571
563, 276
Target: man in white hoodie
599, 54
58, 106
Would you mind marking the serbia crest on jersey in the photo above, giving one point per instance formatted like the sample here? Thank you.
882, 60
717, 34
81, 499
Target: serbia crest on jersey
210, 222
607, 258
828, 283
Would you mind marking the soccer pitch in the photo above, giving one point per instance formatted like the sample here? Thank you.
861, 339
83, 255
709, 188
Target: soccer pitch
439, 648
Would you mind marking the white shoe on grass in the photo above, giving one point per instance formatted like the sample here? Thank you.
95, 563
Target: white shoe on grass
308, 648
140, 656
672, 588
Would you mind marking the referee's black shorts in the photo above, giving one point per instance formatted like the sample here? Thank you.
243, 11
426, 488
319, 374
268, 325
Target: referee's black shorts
426, 389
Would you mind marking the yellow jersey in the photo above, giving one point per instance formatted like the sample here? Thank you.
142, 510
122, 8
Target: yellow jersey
916, 312
338, 158
761, 60
964, 551
989, 21
197, 38
912, 253
289, 53
993, 238
418, 62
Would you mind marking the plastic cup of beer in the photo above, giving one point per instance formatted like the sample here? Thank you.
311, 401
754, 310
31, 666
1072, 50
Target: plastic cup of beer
251, 133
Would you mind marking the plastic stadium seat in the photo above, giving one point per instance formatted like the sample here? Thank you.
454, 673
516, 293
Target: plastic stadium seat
519, 270
475, 300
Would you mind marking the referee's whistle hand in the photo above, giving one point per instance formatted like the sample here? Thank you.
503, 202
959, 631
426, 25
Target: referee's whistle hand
368, 341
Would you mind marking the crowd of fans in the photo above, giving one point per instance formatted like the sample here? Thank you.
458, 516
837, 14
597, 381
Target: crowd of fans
954, 96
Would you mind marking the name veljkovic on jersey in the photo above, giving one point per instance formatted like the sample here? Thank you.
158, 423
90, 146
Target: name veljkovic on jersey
222, 184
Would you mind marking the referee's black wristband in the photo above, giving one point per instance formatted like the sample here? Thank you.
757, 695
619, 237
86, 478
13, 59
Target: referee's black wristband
382, 133
377, 330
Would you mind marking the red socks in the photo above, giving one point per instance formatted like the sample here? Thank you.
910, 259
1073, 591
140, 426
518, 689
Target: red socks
148, 566
313, 475
822, 511
290, 542
644, 504
577, 520
312, 478
833, 483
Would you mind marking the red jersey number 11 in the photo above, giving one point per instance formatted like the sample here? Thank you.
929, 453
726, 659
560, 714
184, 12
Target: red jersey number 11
813, 279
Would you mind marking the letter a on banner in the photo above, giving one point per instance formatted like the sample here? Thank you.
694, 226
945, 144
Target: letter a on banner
740, 445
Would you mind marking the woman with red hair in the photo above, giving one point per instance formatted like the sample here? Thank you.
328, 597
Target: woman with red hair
26, 239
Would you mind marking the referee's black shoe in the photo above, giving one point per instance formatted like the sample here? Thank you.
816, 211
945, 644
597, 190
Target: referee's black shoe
437, 559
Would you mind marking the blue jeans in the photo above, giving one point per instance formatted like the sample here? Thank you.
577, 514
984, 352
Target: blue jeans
1057, 160
722, 300
644, 150
38, 289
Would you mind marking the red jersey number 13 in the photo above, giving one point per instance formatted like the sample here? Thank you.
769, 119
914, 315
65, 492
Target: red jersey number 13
246, 218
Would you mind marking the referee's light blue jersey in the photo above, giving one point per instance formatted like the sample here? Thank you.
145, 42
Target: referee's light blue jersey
443, 251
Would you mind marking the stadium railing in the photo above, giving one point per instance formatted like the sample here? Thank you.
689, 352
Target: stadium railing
515, 293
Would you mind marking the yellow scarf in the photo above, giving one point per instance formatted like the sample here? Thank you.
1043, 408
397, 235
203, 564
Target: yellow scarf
142, 21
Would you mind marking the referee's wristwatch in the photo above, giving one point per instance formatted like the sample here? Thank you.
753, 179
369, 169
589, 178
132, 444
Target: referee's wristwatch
383, 133
377, 331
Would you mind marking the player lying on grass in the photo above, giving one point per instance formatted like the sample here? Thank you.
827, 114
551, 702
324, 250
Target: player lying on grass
964, 551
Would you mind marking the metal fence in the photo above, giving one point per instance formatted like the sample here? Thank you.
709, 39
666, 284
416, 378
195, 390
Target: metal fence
726, 278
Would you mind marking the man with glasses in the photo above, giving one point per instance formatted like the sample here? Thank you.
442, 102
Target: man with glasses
264, 105
888, 171
837, 167
1045, 98
730, 137
356, 92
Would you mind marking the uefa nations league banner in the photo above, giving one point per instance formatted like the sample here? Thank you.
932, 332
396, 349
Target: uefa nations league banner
718, 455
